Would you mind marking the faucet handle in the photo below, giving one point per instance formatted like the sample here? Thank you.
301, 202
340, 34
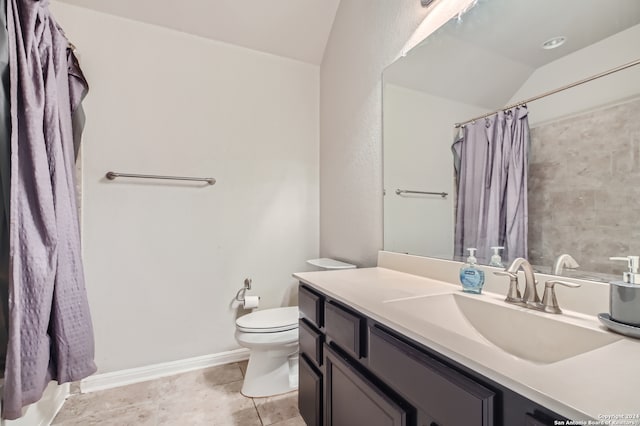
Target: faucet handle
505, 274
513, 296
549, 300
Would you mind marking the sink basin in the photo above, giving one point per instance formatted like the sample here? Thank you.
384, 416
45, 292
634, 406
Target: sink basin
526, 334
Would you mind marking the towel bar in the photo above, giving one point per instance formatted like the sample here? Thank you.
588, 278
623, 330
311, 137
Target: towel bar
113, 175
406, 191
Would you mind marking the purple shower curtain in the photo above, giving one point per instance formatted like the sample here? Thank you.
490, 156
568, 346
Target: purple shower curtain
50, 330
491, 162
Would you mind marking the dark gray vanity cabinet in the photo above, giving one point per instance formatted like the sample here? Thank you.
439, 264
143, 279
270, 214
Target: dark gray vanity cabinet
353, 399
442, 395
310, 389
357, 372
311, 339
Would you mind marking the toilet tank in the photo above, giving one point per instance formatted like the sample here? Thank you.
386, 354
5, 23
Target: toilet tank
330, 264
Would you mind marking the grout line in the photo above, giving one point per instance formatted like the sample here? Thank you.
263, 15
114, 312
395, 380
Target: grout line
253, 401
257, 412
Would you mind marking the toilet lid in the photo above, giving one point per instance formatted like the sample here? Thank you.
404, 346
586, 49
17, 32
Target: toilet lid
269, 320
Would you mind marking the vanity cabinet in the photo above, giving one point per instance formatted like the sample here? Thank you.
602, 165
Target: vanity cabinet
352, 398
441, 394
310, 392
311, 339
345, 328
355, 371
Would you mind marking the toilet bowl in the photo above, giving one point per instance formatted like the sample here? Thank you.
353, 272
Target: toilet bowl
272, 337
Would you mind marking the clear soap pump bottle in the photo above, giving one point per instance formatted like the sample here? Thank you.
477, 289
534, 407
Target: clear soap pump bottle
496, 259
471, 278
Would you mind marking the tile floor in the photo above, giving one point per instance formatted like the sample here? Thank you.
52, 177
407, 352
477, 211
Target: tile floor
204, 397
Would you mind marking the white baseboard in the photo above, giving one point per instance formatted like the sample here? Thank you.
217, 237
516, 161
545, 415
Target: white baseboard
142, 374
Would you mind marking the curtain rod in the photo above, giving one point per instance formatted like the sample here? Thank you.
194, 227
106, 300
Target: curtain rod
551, 92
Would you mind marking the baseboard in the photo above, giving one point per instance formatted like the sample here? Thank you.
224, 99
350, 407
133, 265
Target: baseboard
135, 375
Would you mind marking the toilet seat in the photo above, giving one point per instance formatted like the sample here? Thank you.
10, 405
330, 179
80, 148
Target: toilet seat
269, 320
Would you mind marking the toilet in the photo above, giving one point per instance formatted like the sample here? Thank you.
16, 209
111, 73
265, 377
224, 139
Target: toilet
271, 335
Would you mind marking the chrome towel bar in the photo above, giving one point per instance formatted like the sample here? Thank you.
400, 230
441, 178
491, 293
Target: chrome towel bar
406, 191
113, 175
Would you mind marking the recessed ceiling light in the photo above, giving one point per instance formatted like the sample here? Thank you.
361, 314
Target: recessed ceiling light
554, 42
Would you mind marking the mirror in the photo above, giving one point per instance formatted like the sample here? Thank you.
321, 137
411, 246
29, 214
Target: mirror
584, 156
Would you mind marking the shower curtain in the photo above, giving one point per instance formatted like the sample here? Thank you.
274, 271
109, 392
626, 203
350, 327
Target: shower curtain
491, 162
50, 336
5, 170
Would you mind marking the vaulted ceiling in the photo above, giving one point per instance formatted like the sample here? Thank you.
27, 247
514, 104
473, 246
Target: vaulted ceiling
501, 40
297, 29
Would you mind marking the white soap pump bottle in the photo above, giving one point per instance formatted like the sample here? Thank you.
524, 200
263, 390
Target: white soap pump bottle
496, 259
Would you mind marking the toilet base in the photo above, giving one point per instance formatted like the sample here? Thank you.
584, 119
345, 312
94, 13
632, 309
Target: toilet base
271, 372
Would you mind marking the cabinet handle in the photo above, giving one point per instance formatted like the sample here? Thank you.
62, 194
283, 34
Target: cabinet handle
534, 420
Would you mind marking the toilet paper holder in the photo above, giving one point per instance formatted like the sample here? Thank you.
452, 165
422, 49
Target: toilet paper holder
241, 293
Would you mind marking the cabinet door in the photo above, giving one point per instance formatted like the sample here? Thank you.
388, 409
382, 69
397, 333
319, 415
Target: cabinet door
309, 392
346, 328
310, 305
435, 389
310, 341
352, 400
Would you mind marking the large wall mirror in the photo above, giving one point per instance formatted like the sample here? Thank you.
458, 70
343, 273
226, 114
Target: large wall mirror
583, 152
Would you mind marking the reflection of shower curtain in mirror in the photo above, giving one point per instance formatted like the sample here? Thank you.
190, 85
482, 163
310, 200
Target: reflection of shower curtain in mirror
491, 158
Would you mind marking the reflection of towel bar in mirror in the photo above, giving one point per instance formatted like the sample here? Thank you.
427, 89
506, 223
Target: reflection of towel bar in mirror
406, 191
113, 175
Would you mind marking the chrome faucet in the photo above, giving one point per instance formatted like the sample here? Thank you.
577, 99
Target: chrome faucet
564, 261
530, 296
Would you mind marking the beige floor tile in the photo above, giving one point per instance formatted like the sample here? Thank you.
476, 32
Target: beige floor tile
215, 405
278, 408
247, 417
243, 417
195, 381
82, 405
296, 421
204, 397
243, 366
144, 414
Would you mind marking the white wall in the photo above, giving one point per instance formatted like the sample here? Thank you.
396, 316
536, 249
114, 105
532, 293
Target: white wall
609, 53
164, 260
366, 37
418, 133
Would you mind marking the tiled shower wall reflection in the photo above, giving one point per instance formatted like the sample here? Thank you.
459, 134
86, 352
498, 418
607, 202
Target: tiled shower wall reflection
584, 188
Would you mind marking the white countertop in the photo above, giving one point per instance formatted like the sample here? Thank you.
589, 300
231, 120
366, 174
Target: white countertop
602, 382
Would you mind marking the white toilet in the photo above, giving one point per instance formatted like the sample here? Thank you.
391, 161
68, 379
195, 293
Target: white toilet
272, 337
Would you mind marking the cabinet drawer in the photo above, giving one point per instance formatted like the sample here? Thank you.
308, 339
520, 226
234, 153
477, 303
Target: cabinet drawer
446, 395
345, 328
309, 392
310, 341
353, 400
310, 305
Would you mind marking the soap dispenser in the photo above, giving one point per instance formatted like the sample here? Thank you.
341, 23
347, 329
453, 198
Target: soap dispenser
496, 259
471, 278
624, 301
633, 262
